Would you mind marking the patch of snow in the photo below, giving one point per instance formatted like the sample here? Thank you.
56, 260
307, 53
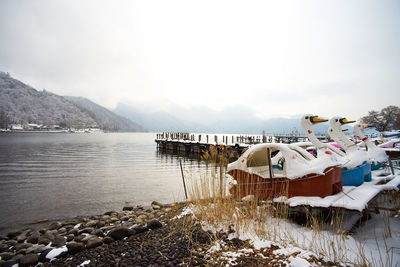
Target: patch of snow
186, 211
55, 252
298, 262
84, 263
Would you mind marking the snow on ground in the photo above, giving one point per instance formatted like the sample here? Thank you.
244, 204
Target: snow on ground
55, 252
376, 242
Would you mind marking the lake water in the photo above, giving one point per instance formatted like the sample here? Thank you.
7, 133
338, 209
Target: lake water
61, 175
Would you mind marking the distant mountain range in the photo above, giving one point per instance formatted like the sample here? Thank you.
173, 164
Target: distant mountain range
23, 104
233, 120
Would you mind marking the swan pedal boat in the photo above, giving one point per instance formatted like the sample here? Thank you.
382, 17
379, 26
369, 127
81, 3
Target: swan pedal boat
274, 169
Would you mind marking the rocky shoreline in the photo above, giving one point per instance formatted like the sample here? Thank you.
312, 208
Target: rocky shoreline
64, 243
136, 236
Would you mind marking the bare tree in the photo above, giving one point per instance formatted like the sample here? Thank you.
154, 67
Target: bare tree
4, 120
387, 119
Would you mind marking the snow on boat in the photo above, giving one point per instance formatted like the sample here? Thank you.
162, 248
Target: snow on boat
392, 148
354, 198
357, 169
377, 155
271, 170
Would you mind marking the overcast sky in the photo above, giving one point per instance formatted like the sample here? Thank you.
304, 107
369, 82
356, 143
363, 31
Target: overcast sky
278, 58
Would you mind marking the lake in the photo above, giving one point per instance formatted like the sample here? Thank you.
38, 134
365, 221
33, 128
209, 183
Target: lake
61, 175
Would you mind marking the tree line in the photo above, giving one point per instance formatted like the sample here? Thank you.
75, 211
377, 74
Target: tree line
385, 120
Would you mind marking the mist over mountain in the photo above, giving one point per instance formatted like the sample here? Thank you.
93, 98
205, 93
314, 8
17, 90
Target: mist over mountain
106, 119
160, 121
235, 120
22, 104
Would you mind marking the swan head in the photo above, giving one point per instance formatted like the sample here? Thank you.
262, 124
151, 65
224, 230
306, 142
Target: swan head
358, 129
337, 121
308, 120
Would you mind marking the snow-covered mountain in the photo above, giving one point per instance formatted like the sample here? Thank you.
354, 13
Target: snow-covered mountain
23, 104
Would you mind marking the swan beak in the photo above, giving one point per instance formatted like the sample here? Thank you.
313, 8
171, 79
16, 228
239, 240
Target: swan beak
343, 130
315, 120
345, 121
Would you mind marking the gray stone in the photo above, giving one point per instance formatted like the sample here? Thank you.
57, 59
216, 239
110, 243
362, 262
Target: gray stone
17, 257
43, 240
91, 223
148, 209
156, 207
33, 238
106, 217
3, 247
75, 247
9, 263
142, 217
20, 246
6, 255
125, 218
114, 219
58, 241
11, 243
154, 224
86, 230
22, 237
11, 235
49, 235
36, 249
127, 208
29, 260
86, 238
21, 251
120, 232
79, 238
97, 232
70, 237
3, 237
157, 203
54, 226
100, 224
62, 230
94, 242
73, 231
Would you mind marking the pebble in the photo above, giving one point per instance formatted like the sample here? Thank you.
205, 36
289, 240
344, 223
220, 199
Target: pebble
29, 260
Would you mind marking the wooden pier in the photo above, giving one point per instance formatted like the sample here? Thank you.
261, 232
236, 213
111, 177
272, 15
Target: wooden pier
233, 145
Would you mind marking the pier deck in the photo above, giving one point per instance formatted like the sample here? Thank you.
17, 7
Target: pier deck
234, 145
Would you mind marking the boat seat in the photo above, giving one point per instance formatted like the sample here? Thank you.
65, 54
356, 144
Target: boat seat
264, 171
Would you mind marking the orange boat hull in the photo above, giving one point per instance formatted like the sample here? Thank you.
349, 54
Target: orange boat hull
310, 185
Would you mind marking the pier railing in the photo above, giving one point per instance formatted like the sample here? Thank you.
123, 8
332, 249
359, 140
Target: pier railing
220, 139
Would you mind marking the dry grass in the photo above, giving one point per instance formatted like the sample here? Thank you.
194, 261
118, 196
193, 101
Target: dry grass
213, 206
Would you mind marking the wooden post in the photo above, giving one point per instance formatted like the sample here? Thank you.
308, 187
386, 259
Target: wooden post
391, 166
270, 174
183, 179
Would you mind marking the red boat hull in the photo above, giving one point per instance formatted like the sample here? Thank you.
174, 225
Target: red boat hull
310, 185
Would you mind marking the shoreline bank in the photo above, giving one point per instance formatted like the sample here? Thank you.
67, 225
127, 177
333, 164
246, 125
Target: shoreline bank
155, 235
